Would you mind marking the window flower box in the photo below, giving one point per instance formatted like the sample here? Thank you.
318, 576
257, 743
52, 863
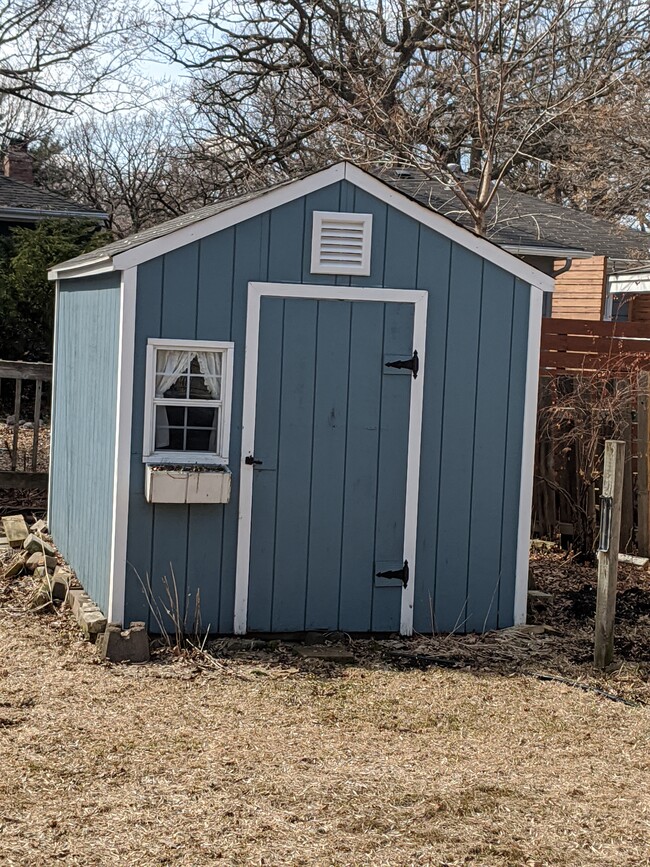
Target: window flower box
174, 483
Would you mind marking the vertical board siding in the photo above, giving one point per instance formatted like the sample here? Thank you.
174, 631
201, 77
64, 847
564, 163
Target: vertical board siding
489, 454
434, 270
361, 460
307, 435
331, 382
84, 413
514, 444
294, 453
472, 427
458, 429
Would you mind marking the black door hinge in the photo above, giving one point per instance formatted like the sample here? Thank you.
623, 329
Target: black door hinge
412, 364
397, 574
250, 460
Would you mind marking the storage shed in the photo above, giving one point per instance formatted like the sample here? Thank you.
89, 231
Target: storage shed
311, 407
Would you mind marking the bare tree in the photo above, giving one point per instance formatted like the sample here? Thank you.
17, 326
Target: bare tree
58, 53
140, 167
600, 160
467, 90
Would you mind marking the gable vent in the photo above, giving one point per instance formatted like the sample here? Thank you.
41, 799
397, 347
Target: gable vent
341, 243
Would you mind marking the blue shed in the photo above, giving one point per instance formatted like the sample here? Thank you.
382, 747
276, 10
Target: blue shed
311, 407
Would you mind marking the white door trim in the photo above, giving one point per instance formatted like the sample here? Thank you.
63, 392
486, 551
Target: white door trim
527, 458
419, 300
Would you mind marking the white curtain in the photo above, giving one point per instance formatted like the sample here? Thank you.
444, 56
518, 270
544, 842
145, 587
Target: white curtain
171, 365
210, 367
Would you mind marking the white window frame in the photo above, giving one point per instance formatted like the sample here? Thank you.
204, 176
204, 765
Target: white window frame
149, 454
363, 270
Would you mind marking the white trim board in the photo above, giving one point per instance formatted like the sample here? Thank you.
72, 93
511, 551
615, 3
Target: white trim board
527, 458
57, 301
419, 299
281, 195
122, 466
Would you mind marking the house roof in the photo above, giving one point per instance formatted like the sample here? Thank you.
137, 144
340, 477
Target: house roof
516, 220
160, 239
25, 202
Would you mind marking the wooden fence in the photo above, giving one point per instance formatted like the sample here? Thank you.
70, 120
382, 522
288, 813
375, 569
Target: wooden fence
579, 345
594, 385
14, 472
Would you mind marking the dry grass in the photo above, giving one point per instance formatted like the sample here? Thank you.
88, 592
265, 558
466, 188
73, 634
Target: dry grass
265, 760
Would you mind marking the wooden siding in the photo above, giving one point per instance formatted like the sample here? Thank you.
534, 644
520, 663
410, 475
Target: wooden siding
329, 498
473, 408
639, 306
83, 427
580, 291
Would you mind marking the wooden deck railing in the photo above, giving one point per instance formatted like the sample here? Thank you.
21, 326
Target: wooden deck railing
20, 371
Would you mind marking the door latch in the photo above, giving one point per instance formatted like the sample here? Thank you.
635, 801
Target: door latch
412, 364
250, 460
397, 574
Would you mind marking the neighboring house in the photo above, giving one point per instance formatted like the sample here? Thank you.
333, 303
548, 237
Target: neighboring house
310, 407
609, 266
23, 204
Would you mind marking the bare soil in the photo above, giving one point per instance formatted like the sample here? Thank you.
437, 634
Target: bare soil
255, 756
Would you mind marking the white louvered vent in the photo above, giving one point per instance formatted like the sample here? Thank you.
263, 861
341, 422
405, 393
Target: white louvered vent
341, 243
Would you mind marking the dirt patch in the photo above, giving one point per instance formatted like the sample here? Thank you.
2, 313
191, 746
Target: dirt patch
263, 757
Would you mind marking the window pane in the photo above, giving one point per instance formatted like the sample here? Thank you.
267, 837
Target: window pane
205, 388
181, 428
171, 372
620, 307
177, 389
169, 439
201, 416
200, 440
175, 415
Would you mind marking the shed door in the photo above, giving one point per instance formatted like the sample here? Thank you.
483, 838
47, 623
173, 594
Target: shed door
329, 493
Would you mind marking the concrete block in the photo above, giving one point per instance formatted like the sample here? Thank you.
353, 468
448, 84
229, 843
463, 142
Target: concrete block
340, 655
34, 544
58, 587
128, 645
15, 529
39, 559
38, 527
76, 599
15, 566
91, 620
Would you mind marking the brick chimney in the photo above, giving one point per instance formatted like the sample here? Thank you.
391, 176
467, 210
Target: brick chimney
18, 163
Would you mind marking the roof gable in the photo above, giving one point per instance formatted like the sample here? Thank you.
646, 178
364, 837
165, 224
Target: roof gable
161, 239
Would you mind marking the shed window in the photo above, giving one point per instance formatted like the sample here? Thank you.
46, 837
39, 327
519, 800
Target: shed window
188, 402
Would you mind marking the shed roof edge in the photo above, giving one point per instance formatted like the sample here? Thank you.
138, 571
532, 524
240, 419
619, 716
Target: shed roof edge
268, 199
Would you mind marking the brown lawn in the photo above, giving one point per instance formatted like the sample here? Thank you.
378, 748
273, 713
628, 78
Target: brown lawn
265, 760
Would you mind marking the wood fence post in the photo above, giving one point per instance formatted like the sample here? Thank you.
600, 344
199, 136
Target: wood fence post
643, 469
610, 531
